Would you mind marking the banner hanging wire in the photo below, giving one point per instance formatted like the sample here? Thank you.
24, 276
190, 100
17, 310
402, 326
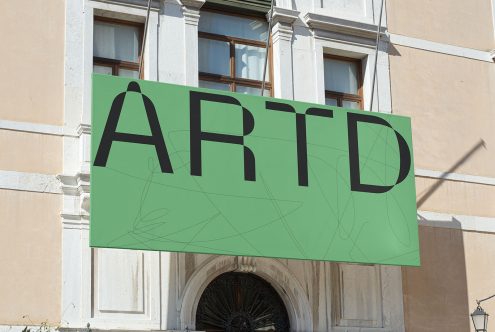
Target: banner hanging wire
143, 44
378, 33
267, 48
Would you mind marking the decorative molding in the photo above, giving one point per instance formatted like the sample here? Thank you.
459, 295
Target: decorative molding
283, 15
36, 128
191, 15
342, 26
246, 264
76, 188
456, 221
282, 21
425, 173
77, 184
70, 222
83, 129
191, 11
33, 182
281, 31
193, 3
427, 45
492, 54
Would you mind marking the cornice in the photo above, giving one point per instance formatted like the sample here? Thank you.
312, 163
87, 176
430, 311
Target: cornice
283, 15
343, 26
197, 4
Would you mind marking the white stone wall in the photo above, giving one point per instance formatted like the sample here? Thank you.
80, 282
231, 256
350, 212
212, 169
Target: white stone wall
133, 290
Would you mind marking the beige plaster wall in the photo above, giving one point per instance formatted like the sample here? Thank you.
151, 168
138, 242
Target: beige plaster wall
29, 152
480, 260
435, 294
451, 101
455, 197
32, 60
455, 22
30, 258
456, 269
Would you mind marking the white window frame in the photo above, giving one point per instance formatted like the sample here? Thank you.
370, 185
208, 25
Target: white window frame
359, 48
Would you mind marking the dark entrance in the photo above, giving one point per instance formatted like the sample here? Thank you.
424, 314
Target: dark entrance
241, 302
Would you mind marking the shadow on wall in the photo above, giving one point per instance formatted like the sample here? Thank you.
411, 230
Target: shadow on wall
435, 294
424, 196
392, 50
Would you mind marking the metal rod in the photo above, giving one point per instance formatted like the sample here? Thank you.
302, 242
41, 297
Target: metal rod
144, 39
267, 47
489, 297
376, 56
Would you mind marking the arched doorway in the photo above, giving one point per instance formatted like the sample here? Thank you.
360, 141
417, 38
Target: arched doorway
241, 302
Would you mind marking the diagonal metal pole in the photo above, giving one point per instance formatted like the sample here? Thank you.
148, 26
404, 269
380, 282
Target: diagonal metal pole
376, 56
143, 44
267, 48
489, 297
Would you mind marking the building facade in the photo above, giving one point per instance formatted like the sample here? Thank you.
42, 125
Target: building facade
435, 63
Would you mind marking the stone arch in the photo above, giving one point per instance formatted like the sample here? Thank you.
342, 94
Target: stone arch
271, 270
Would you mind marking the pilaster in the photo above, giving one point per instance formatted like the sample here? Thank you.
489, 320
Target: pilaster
282, 31
171, 54
190, 11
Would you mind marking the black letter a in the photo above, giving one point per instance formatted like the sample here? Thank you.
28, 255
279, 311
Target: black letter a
110, 134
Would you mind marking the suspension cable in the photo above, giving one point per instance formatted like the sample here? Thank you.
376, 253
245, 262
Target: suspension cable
143, 44
267, 48
376, 56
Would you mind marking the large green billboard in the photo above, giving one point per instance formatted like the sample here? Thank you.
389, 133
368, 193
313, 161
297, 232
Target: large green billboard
185, 169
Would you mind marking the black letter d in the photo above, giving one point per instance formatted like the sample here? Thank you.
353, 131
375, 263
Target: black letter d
405, 154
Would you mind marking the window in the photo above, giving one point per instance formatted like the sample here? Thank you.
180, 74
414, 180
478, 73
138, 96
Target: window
116, 47
232, 53
343, 83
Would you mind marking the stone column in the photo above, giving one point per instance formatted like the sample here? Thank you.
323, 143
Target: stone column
282, 52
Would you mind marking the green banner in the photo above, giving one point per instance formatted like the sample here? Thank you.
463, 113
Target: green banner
185, 169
